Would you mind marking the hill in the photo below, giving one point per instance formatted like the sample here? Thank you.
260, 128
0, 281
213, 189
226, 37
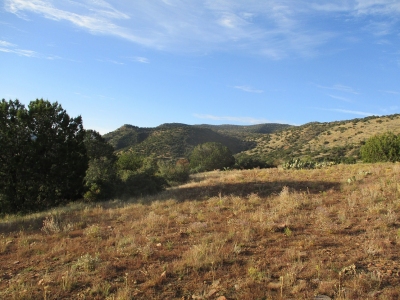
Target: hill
251, 234
339, 140
175, 140
335, 141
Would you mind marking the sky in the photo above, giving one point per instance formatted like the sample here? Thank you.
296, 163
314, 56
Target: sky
244, 62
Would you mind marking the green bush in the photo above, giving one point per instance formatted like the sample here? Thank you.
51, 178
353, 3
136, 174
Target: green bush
381, 148
138, 176
211, 156
245, 161
174, 172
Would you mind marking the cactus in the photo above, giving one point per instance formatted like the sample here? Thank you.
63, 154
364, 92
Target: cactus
298, 164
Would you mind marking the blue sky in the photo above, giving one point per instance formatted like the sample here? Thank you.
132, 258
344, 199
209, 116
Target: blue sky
148, 62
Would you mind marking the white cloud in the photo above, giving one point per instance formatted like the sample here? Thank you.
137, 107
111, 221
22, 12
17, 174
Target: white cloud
340, 98
340, 88
248, 89
245, 120
391, 92
274, 28
6, 44
346, 111
140, 59
12, 48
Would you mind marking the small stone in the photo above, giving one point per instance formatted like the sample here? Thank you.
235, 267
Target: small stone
158, 245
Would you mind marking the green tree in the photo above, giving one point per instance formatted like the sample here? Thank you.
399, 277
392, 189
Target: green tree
174, 172
138, 175
101, 178
43, 157
381, 148
16, 144
210, 156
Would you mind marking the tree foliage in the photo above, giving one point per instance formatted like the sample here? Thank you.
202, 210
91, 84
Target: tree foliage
210, 156
43, 158
174, 172
381, 148
138, 175
101, 178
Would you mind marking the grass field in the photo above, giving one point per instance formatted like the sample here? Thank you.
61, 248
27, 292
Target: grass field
252, 234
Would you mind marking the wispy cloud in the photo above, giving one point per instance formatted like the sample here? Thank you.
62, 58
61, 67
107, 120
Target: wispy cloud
391, 92
115, 62
245, 120
274, 28
346, 111
340, 98
339, 87
12, 48
248, 89
140, 59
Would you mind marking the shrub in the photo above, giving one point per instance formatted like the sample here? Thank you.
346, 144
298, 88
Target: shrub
211, 156
381, 148
244, 161
174, 172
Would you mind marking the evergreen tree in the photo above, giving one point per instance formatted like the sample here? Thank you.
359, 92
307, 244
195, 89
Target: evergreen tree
43, 158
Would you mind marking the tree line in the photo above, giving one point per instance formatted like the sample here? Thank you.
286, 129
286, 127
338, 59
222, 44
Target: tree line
47, 159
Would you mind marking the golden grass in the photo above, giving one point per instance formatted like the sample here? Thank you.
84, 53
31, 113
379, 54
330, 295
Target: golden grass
316, 137
252, 234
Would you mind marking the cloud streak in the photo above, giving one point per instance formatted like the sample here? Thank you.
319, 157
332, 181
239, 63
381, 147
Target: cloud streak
340, 98
245, 120
12, 48
286, 26
248, 89
340, 88
346, 111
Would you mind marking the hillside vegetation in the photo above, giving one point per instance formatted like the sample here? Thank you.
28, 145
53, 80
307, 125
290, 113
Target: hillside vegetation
170, 140
323, 141
336, 141
177, 140
250, 234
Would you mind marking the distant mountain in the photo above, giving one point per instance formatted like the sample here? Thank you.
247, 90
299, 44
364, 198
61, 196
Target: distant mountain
173, 140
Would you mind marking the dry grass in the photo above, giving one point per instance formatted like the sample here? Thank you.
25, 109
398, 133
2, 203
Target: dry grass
254, 234
317, 137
